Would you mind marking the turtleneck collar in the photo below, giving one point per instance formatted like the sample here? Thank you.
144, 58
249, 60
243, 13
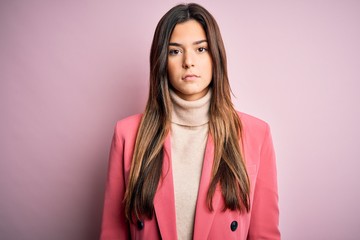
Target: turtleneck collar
190, 113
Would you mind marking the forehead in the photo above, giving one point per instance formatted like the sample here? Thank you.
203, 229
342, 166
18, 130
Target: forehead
188, 31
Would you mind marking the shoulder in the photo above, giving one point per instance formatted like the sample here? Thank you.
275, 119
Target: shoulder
128, 126
253, 127
252, 122
130, 121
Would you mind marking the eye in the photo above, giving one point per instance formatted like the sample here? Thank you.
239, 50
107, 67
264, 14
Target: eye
174, 52
202, 49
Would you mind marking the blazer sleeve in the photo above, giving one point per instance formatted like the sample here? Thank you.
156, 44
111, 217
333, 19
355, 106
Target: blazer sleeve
114, 225
264, 223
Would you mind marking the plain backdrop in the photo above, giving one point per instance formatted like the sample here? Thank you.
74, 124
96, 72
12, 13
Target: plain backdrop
70, 69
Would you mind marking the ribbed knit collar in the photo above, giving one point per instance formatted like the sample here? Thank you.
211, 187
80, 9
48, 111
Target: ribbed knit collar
190, 113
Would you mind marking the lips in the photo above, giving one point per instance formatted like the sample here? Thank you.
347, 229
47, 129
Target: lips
190, 77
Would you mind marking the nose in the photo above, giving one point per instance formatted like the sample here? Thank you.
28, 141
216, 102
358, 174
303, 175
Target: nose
188, 60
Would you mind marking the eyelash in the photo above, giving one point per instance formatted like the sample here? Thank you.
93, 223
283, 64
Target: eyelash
174, 52
204, 49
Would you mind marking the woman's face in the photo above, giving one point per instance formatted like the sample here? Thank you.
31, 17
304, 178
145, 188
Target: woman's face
189, 61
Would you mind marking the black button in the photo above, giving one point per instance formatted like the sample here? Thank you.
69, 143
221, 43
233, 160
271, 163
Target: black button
140, 224
233, 226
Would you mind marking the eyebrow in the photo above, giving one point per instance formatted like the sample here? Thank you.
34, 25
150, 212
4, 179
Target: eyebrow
180, 45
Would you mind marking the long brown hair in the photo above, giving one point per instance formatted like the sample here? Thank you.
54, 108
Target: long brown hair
224, 125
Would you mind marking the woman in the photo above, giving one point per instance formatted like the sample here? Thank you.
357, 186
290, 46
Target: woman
190, 167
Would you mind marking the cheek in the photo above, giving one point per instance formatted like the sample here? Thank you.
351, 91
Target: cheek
172, 73
208, 68
171, 68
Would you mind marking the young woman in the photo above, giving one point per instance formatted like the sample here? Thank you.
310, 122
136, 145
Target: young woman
190, 166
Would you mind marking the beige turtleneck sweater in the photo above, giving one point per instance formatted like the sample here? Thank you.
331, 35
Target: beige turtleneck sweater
189, 131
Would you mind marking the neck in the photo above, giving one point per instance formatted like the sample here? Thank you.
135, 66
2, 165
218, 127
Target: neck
190, 113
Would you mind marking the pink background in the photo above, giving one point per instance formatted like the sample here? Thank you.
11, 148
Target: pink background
70, 69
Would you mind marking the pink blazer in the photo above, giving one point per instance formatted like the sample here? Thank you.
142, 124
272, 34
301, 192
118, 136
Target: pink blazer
260, 223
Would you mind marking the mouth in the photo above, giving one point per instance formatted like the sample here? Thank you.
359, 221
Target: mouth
189, 77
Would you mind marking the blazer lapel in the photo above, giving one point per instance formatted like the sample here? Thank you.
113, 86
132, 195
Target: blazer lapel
164, 200
203, 216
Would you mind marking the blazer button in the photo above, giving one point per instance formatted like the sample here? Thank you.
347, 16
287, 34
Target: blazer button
233, 226
140, 224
